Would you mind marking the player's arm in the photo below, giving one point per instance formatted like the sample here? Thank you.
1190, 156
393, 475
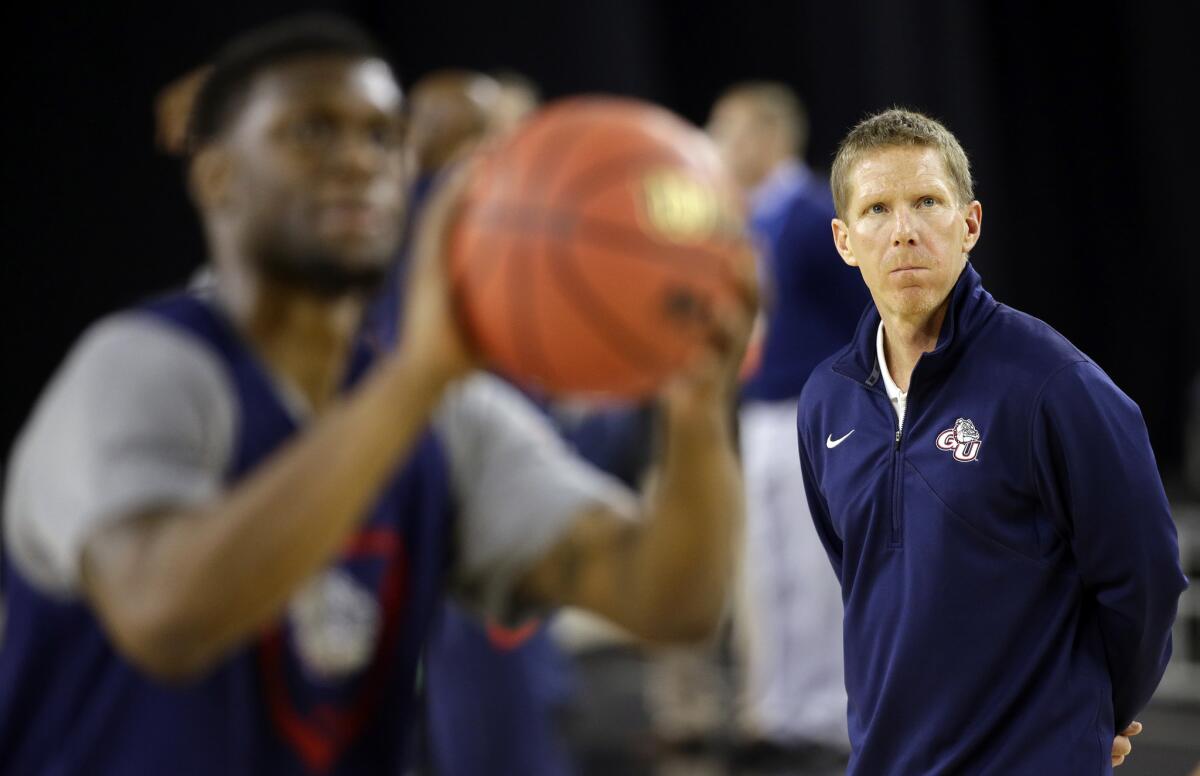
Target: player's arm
1095, 469
663, 575
539, 526
176, 588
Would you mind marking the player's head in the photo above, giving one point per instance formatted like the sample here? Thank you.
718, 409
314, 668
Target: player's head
519, 97
297, 155
907, 216
448, 110
757, 125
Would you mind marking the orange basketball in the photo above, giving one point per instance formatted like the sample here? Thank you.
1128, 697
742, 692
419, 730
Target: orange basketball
595, 247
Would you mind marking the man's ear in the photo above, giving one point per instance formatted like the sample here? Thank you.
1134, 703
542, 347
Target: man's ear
974, 219
841, 241
209, 177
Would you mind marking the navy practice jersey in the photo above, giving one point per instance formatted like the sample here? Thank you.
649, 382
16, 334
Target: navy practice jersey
165, 407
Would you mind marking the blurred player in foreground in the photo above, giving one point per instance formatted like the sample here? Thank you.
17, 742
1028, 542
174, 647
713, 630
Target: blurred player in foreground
789, 610
987, 495
228, 523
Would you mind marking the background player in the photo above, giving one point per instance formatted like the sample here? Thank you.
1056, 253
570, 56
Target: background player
519, 97
789, 613
222, 562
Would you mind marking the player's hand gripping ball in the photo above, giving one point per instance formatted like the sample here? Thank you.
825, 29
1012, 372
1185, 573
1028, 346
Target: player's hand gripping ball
596, 248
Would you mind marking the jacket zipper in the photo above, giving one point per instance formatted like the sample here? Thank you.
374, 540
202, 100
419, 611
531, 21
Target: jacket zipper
895, 540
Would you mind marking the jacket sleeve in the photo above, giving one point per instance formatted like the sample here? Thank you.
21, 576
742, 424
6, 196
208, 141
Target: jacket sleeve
816, 501
1096, 471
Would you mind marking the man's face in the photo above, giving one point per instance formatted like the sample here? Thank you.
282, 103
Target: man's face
743, 139
314, 190
905, 230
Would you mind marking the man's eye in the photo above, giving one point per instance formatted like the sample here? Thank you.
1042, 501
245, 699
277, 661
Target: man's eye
385, 136
312, 131
928, 202
876, 209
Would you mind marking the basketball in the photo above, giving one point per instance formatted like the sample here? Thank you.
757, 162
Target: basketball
596, 247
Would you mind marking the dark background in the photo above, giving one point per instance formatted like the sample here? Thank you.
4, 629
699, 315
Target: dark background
1074, 120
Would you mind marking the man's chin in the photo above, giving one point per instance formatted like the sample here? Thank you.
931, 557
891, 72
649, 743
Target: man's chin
327, 278
915, 302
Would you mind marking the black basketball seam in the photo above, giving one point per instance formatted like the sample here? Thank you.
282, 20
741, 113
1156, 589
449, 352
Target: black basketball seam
531, 345
616, 233
528, 219
593, 178
490, 265
537, 344
623, 343
578, 138
554, 231
586, 186
480, 267
520, 316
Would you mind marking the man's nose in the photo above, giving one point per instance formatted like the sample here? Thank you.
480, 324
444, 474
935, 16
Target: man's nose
355, 155
903, 230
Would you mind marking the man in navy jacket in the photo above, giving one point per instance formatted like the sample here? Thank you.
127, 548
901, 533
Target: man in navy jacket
988, 497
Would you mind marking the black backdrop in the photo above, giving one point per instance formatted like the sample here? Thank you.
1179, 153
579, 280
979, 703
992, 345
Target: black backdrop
1074, 120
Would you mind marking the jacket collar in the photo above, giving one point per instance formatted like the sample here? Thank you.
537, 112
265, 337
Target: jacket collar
970, 306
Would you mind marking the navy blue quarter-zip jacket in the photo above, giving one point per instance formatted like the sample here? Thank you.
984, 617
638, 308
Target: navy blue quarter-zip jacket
1009, 567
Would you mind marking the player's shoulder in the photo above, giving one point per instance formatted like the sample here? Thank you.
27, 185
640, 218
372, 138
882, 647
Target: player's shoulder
136, 343
133, 359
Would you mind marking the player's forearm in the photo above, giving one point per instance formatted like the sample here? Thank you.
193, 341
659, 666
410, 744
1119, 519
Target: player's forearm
687, 548
203, 581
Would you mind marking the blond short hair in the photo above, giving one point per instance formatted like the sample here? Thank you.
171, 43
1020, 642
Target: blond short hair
893, 128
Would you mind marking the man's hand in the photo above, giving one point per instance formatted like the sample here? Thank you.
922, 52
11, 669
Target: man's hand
431, 334
1122, 746
713, 379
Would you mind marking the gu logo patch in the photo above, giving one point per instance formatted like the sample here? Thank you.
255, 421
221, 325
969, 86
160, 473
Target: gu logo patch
335, 624
963, 439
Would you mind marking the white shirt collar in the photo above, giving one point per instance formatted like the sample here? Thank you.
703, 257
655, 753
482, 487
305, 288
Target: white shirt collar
893, 391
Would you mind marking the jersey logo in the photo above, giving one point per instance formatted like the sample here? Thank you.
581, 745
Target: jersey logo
335, 625
963, 439
831, 443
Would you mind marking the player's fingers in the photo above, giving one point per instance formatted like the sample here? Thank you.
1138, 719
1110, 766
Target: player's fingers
437, 216
447, 193
1116, 761
730, 333
1134, 728
745, 276
1121, 746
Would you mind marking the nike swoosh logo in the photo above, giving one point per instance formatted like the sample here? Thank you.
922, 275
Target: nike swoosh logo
831, 443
